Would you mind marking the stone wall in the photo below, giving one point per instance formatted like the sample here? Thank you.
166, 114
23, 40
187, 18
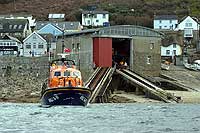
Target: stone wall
21, 78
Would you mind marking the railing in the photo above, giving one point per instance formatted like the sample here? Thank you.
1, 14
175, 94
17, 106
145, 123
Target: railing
99, 83
149, 88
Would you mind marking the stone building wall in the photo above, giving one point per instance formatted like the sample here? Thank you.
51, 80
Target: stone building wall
146, 55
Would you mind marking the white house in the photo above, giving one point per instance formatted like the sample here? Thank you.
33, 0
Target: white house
188, 25
95, 18
165, 22
171, 50
34, 45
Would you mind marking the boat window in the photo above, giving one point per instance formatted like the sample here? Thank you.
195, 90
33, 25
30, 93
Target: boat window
77, 74
57, 74
66, 73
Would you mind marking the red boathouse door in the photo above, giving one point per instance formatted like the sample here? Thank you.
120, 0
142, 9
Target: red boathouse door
102, 52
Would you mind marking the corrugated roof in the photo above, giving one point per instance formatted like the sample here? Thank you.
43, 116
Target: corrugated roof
95, 12
120, 31
165, 17
82, 32
128, 31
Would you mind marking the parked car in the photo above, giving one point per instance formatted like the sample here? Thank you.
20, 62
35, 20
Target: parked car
194, 66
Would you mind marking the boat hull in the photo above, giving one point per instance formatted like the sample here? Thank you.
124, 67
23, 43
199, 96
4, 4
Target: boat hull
66, 96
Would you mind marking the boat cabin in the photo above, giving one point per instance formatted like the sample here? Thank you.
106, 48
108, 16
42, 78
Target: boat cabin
64, 75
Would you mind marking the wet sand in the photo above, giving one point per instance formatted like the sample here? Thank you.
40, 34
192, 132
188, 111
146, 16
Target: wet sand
124, 97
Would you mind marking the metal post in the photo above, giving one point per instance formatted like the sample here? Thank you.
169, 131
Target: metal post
78, 51
197, 35
63, 45
49, 45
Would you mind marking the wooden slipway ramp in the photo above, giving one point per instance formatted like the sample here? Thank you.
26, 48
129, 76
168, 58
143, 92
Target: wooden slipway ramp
147, 87
98, 83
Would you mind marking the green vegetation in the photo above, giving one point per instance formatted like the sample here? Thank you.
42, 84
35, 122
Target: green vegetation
138, 12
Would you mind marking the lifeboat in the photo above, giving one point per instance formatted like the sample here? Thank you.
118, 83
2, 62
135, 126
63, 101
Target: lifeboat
65, 85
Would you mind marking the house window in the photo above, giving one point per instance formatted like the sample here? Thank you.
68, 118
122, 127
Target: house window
15, 27
148, 59
160, 21
20, 26
34, 46
167, 52
88, 22
95, 15
1, 26
104, 15
160, 27
174, 45
188, 24
90, 15
85, 15
151, 45
174, 52
73, 47
78, 46
170, 21
10, 26
40, 46
28, 46
34, 36
188, 33
97, 20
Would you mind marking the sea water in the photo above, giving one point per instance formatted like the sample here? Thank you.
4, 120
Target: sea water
100, 118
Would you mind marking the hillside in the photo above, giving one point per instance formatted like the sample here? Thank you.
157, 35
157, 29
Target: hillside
139, 12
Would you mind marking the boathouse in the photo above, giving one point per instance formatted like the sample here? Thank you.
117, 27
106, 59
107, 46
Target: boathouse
138, 46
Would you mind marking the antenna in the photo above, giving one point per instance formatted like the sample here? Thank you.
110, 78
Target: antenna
63, 55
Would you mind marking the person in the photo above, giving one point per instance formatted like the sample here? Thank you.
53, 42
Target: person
125, 64
121, 63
